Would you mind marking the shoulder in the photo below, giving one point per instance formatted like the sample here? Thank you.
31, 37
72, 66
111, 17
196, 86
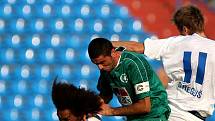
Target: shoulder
157, 43
130, 57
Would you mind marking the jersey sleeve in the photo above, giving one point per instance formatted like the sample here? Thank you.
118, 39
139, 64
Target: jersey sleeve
139, 75
154, 48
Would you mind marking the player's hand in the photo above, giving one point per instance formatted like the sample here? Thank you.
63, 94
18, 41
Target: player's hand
106, 110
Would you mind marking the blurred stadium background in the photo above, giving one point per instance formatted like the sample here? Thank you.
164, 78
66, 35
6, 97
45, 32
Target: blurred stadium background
40, 39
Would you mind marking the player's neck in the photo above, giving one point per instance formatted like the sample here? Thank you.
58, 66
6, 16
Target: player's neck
201, 34
117, 57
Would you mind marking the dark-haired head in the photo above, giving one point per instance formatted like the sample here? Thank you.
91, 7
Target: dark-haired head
70, 100
102, 53
99, 46
189, 20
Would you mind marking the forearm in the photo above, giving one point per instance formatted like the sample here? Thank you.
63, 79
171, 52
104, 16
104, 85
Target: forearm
130, 45
129, 110
140, 107
163, 76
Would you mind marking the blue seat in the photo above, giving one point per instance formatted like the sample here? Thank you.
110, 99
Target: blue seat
3, 101
56, 41
67, 56
20, 87
76, 25
57, 25
46, 55
3, 25
75, 41
65, 10
23, 72
102, 10
43, 39
39, 25
12, 40
67, 72
43, 10
110, 10
32, 114
27, 56
6, 10
50, 115
83, 56
6, 71
32, 41
89, 71
41, 86
11, 115
43, 71
8, 56
22, 9
18, 25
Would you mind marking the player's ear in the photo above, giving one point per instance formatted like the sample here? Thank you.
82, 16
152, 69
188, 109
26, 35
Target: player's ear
113, 52
84, 117
186, 31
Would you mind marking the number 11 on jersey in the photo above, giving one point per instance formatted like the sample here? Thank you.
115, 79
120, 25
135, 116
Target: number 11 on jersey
200, 69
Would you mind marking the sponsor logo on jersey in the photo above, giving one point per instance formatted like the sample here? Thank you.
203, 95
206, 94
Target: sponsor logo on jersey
194, 92
141, 87
124, 78
122, 95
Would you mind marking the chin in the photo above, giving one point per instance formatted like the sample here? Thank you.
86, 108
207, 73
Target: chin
108, 70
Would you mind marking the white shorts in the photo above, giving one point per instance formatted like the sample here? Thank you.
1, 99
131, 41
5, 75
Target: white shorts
181, 115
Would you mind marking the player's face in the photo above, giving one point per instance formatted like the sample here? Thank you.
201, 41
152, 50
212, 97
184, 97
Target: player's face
66, 115
105, 63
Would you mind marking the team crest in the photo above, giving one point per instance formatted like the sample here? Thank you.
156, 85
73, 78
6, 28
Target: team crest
124, 78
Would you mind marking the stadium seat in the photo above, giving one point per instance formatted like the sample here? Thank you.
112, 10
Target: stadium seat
47, 55
5, 71
43, 71
8, 56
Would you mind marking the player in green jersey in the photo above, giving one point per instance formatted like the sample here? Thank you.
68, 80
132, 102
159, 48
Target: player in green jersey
130, 77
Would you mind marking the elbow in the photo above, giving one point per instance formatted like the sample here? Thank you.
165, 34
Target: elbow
144, 106
145, 110
147, 105
148, 109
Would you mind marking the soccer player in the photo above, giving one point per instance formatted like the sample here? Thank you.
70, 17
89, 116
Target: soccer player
189, 62
130, 77
74, 104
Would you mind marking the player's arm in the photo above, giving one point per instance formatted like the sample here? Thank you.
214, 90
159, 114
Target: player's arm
163, 76
130, 45
139, 107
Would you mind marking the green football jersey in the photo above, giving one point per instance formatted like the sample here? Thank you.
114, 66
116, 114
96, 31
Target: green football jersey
134, 79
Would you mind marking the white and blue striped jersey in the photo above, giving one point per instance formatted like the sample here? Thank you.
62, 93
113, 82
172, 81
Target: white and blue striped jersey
189, 62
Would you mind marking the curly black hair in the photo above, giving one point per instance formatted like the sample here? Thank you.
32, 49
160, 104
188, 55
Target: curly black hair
78, 101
